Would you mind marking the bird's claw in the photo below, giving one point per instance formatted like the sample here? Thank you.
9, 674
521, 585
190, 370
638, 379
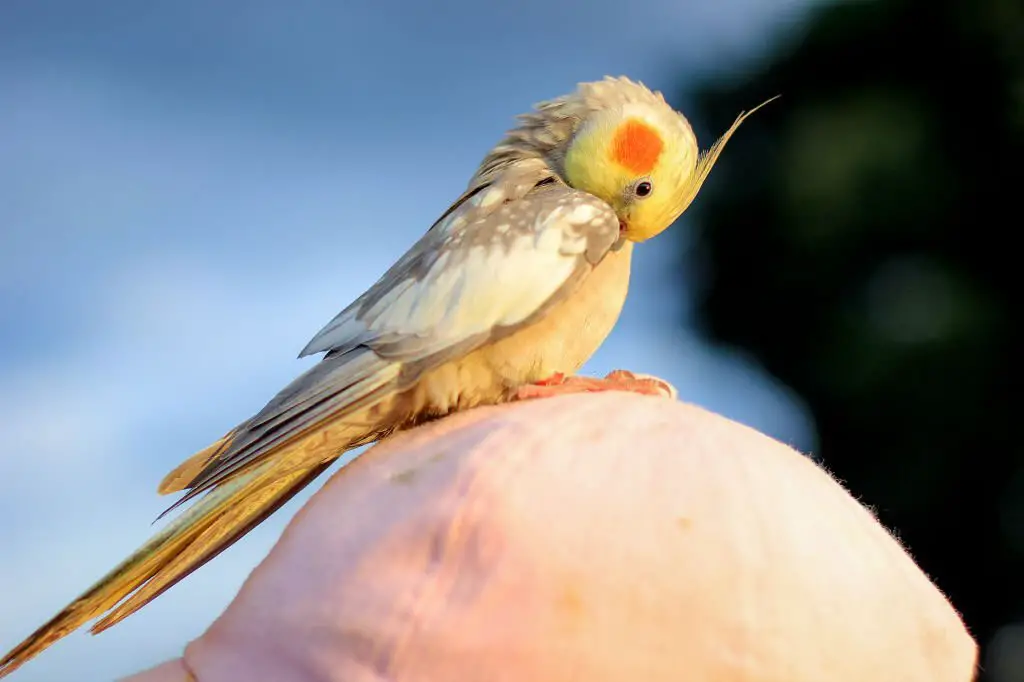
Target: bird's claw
618, 380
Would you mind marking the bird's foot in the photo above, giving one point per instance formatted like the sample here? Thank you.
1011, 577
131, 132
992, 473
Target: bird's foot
618, 380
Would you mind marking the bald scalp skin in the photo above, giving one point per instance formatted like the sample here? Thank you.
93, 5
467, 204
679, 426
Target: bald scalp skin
543, 541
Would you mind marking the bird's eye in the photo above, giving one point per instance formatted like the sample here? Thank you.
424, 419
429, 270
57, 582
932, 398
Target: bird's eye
643, 189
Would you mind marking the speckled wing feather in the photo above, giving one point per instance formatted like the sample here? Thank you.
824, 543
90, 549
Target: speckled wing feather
502, 256
491, 263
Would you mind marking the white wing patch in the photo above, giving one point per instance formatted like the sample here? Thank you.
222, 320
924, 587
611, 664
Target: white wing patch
493, 262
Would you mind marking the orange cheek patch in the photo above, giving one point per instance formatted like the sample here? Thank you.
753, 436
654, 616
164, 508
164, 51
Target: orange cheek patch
636, 146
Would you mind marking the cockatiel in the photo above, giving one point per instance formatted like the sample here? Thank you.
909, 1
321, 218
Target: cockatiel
505, 296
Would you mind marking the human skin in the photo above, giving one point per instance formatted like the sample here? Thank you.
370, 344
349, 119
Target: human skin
599, 537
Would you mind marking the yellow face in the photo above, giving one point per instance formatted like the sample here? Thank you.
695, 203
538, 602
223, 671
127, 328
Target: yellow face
637, 168
647, 169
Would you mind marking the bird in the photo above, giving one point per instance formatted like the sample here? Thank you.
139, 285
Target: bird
504, 297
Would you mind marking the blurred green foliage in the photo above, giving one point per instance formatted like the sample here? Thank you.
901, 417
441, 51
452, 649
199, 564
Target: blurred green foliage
860, 238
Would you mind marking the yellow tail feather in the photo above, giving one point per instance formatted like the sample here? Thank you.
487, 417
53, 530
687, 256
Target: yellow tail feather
230, 505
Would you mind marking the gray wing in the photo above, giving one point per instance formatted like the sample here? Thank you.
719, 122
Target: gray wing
498, 259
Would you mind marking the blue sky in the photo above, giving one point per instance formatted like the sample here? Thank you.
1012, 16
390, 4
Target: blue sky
189, 190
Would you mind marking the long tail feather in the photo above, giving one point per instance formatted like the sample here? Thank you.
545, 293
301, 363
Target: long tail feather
237, 482
232, 525
220, 518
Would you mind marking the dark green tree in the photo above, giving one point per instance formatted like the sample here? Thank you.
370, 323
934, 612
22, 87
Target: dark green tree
860, 238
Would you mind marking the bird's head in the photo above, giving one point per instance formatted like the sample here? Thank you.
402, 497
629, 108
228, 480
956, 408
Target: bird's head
640, 159
621, 142
631, 149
